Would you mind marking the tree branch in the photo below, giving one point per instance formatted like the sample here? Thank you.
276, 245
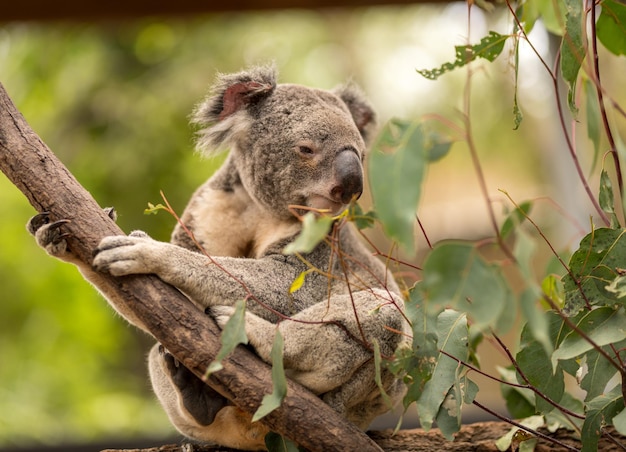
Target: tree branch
191, 336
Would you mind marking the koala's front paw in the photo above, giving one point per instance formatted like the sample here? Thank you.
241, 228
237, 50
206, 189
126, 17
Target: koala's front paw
48, 235
128, 255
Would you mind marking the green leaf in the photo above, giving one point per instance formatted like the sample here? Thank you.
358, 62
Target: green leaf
418, 362
153, 210
517, 112
515, 218
272, 401
552, 15
599, 372
600, 412
233, 334
362, 220
619, 422
278, 443
449, 416
603, 326
533, 422
535, 363
452, 338
607, 202
572, 49
315, 228
520, 402
593, 119
488, 48
556, 419
595, 265
396, 171
536, 318
455, 274
611, 26
377, 376
618, 286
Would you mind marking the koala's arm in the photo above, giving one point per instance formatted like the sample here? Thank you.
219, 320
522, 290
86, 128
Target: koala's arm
208, 281
50, 236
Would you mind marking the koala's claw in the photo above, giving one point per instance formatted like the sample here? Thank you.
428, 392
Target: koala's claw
49, 235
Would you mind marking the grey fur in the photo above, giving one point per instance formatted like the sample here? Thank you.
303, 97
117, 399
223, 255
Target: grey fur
289, 145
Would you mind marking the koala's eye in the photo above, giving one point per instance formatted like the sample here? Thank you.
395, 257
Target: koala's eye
305, 150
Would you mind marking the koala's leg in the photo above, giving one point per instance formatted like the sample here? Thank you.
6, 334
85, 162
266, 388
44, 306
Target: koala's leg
319, 354
196, 410
360, 400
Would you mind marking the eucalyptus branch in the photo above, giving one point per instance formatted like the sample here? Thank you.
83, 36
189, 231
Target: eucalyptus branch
605, 120
554, 252
523, 427
528, 385
570, 146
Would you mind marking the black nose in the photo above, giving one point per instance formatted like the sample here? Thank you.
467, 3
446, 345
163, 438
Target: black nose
348, 177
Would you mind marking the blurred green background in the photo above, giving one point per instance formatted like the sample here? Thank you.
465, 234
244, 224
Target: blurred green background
112, 100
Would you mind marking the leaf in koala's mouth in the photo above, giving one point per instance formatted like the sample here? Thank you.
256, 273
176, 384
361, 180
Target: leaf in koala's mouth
314, 230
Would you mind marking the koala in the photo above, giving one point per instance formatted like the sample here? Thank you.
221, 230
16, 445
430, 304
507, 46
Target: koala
292, 149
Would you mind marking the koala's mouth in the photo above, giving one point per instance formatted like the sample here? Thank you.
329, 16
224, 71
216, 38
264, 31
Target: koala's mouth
322, 203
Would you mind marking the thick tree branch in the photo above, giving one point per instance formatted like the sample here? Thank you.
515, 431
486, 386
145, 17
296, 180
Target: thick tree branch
191, 336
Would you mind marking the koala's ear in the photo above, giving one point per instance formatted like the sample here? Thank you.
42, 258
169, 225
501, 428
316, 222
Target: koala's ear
224, 112
362, 112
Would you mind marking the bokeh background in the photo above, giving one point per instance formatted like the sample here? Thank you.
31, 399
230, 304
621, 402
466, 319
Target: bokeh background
112, 100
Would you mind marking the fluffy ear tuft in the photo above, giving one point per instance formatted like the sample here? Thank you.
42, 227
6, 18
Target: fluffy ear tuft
223, 113
362, 112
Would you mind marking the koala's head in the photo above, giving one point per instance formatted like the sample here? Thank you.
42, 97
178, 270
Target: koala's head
292, 145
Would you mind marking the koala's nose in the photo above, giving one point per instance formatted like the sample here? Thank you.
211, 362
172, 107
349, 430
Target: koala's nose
348, 177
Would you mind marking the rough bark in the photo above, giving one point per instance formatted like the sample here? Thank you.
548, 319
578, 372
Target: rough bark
479, 437
191, 336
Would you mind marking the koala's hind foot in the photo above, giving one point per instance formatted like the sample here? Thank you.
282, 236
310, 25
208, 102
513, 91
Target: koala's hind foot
199, 399
49, 235
197, 411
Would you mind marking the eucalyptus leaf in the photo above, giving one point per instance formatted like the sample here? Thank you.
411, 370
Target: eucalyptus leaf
600, 412
419, 361
278, 443
534, 361
599, 373
396, 171
279, 381
315, 228
619, 422
515, 218
488, 48
449, 416
572, 48
606, 199
593, 267
593, 119
452, 338
520, 402
611, 26
603, 326
455, 274
233, 334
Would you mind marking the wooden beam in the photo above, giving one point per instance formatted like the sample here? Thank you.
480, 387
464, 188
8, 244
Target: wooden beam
81, 10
